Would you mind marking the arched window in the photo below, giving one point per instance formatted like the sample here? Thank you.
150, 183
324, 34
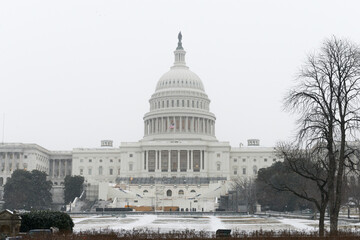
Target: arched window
255, 169
218, 166
181, 192
145, 191
169, 193
193, 191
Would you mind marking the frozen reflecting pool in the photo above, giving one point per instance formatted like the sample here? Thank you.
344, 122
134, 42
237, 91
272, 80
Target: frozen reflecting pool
166, 223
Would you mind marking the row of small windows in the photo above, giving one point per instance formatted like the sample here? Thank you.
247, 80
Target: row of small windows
100, 171
100, 160
179, 103
169, 192
169, 82
255, 170
244, 160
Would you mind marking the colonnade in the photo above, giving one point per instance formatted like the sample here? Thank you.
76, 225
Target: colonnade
179, 124
60, 167
11, 161
174, 160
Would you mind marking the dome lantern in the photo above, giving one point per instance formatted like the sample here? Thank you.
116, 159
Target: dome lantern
179, 53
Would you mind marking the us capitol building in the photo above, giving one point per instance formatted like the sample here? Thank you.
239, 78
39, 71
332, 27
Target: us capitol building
178, 165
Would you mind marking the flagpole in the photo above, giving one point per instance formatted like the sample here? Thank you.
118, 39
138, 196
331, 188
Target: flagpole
3, 131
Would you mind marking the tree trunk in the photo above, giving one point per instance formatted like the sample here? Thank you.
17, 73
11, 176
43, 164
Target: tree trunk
334, 217
321, 221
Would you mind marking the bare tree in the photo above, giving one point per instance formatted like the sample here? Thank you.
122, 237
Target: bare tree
246, 193
326, 100
306, 177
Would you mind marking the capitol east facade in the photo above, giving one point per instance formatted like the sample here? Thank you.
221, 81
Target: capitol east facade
179, 165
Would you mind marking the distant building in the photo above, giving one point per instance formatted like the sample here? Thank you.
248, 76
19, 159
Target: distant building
178, 165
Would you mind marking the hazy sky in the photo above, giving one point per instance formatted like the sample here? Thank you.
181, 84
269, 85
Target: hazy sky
75, 72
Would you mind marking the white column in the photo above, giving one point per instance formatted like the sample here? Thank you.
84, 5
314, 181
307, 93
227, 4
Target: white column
178, 161
154, 125
59, 170
169, 161
156, 160
180, 120
192, 127
198, 125
201, 156
66, 167
168, 124
163, 125
5, 161
159, 160
21, 161
187, 160
213, 127
13, 162
192, 160
175, 124
186, 124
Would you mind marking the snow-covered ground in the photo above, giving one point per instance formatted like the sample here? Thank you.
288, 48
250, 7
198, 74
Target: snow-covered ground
166, 223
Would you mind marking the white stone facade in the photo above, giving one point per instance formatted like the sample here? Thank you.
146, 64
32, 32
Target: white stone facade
178, 164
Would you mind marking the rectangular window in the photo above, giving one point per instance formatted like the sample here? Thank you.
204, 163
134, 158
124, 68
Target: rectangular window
111, 171
130, 167
89, 171
244, 171
164, 160
235, 172
174, 160
131, 155
183, 162
151, 159
81, 171
196, 160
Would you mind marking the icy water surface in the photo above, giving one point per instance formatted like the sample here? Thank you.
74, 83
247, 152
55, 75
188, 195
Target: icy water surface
166, 223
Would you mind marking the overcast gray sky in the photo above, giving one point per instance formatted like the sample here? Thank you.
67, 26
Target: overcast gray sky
75, 72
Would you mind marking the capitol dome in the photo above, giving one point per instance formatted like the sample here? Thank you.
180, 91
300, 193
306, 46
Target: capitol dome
179, 108
180, 77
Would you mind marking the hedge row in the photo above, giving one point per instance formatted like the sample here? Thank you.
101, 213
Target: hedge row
44, 219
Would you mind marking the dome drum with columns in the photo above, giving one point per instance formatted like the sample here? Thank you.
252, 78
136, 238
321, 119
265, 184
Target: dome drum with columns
179, 108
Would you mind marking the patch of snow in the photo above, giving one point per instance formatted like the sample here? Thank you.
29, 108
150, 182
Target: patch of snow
216, 223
